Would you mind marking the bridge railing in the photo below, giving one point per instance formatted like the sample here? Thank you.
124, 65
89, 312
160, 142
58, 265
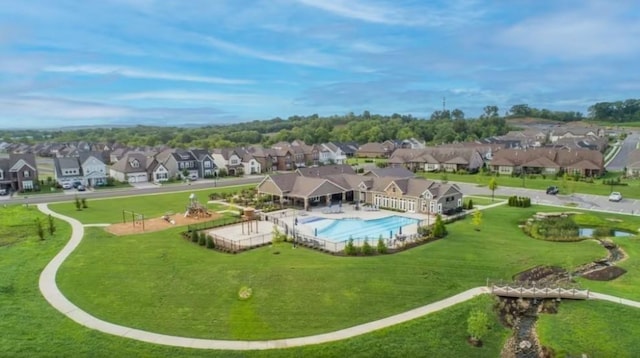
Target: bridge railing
511, 290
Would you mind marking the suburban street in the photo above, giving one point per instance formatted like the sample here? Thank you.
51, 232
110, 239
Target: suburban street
582, 201
619, 162
70, 194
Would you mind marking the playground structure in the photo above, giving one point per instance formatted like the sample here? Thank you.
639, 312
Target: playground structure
137, 219
247, 219
195, 209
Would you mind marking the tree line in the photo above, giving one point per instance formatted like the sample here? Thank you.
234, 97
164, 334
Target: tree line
362, 128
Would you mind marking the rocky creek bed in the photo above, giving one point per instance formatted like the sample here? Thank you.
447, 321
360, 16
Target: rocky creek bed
521, 314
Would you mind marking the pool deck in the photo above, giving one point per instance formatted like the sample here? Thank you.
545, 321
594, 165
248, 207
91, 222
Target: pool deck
239, 234
348, 212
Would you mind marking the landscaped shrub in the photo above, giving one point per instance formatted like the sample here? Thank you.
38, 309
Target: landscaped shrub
613, 181
194, 236
439, 230
381, 247
561, 228
424, 231
350, 249
366, 248
52, 225
210, 243
469, 204
202, 239
519, 201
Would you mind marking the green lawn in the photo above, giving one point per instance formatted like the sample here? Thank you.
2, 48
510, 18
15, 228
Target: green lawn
566, 186
163, 283
32, 328
482, 200
594, 328
110, 210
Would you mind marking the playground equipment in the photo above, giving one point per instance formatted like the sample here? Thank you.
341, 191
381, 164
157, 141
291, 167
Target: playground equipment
249, 216
137, 219
195, 209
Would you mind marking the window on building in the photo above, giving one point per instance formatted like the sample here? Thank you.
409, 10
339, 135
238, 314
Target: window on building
26, 174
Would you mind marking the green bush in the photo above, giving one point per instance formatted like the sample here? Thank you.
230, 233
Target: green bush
194, 236
350, 249
602, 232
439, 229
366, 248
519, 201
381, 247
424, 231
210, 243
202, 239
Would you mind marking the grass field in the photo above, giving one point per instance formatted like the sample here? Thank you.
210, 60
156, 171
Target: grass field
566, 187
32, 328
110, 210
163, 283
482, 200
594, 328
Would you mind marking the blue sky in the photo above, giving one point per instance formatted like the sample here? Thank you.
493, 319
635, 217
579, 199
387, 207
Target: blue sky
165, 62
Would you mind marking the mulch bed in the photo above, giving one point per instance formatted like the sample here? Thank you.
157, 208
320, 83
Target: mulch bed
605, 274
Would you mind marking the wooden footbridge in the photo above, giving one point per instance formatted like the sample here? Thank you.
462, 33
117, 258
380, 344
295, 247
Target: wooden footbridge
513, 290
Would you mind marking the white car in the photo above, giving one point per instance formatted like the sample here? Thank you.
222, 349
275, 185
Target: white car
615, 196
67, 185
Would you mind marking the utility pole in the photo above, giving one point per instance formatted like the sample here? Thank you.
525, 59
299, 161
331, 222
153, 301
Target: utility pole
444, 104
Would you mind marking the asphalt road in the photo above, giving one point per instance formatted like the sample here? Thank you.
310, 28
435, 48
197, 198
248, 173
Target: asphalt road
619, 162
582, 201
69, 195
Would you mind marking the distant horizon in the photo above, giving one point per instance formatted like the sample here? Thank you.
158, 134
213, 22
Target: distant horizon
175, 63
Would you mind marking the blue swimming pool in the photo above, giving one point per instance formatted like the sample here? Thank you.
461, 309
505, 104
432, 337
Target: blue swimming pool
341, 229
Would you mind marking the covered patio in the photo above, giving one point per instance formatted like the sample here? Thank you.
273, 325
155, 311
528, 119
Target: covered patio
304, 192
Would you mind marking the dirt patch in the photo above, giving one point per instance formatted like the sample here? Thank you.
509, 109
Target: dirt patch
156, 224
542, 274
605, 274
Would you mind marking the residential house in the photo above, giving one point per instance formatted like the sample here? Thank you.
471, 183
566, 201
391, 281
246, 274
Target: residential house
19, 172
431, 159
348, 148
266, 157
204, 163
331, 153
67, 169
583, 162
633, 164
134, 167
118, 154
94, 169
180, 163
375, 150
228, 159
575, 132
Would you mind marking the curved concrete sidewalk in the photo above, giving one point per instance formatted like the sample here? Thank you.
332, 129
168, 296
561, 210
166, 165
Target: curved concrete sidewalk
54, 296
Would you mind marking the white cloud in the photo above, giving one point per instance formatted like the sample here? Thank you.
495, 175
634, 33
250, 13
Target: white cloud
576, 34
369, 12
135, 73
231, 99
307, 57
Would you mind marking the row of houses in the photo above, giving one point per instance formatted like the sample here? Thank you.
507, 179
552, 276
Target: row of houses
583, 162
393, 188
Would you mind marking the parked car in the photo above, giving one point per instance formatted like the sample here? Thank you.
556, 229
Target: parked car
615, 196
4, 192
81, 188
67, 185
553, 190
76, 184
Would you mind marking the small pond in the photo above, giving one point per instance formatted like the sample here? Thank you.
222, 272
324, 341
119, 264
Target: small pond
588, 232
